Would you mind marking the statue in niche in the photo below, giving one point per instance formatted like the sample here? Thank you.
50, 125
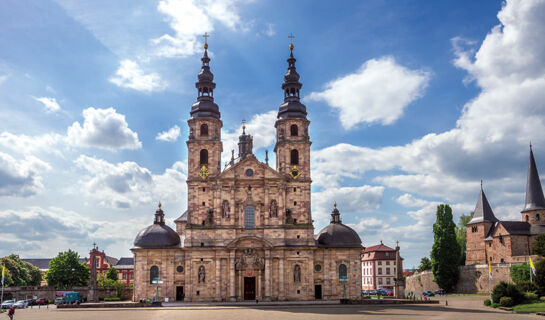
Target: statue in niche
202, 274
273, 209
210, 217
225, 209
289, 218
297, 273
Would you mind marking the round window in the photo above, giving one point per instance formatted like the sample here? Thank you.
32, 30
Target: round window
249, 172
180, 269
317, 268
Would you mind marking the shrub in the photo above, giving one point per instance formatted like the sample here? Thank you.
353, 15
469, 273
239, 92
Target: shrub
495, 305
487, 302
527, 286
531, 296
506, 302
520, 272
504, 289
112, 299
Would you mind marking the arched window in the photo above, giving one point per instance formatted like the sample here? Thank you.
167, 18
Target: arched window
537, 217
342, 271
294, 130
249, 220
204, 157
527, 218
294, 157
204, 130
153, 273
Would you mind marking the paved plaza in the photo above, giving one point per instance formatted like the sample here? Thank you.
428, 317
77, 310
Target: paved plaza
459, 307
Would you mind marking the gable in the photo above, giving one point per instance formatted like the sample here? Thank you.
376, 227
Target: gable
250, 168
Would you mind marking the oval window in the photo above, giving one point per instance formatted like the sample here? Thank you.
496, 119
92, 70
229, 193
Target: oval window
249, 172
317, 268
180, 269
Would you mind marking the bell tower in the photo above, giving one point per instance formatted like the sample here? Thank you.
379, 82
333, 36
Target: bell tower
292, 140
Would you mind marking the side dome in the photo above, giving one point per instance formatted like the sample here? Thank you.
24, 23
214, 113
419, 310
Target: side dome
157, 235
338, 235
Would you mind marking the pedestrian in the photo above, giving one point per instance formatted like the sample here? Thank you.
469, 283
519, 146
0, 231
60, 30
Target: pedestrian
11, 312
183, 296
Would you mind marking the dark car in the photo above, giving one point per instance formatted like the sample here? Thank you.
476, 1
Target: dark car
428, 294
440, 292
372, 292
41, 301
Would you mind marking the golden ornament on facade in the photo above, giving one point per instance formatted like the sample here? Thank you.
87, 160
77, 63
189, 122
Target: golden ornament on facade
204, 172
294, 172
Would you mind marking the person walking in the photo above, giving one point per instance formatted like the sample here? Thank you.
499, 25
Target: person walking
11, 312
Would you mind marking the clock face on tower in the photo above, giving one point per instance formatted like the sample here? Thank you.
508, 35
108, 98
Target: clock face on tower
203, 173
294, 172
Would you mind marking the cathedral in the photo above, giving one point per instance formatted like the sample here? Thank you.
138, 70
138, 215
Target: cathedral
492, 240
248, 232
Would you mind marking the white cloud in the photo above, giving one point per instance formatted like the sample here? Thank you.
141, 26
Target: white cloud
51, 105
169, 136
130, 75
3, 78
24, 144
270, 30
105, 129
378, 92
21, 178
260, 126
190, 19
125, 185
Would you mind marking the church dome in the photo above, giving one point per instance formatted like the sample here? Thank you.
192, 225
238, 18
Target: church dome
338, 235
157, 235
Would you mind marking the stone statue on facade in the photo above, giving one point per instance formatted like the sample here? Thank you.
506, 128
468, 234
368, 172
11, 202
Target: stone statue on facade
289, 218
273, 209
297, 273
210, 217
225, 209
202, 274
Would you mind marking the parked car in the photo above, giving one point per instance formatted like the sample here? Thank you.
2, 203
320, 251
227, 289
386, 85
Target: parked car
440, 292
382, 292
21, 304
390, 293
372, 292
428, 294
30, 302
364, 292
6, 304
41, 301
59, 300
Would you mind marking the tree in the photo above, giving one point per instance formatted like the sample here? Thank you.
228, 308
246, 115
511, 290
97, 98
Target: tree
520, 272
461, 236
65, 271
112, 274
538, 247
445, 253
425, 264
540, 275
20, 273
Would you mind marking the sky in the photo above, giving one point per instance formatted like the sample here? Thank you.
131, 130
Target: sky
411, 104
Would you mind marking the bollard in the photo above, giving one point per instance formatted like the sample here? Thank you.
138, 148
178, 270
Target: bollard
446, 303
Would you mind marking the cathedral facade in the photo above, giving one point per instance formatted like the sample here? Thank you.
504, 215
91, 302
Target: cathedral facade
248, 232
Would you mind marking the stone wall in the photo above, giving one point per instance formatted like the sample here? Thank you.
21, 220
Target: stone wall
472, 279
20, 293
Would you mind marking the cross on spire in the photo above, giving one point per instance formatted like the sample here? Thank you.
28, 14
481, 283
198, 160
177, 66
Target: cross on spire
291, 36
205, 36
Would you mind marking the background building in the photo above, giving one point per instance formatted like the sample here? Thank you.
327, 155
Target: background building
378, 267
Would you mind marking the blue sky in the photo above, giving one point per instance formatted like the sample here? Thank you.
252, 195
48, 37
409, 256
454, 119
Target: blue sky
411, 103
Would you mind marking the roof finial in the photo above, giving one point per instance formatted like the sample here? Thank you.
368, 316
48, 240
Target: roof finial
380, 241
291, 36
335, 204
397, 243
530, 145
205, 36
243, 126
267, 157
481, 184
159, 205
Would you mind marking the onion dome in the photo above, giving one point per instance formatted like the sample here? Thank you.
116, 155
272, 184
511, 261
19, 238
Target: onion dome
534, 192
292, 106
158, 235
205, 105
338, 235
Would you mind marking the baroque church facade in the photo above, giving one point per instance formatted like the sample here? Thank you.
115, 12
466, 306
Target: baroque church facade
492, 240
248, 232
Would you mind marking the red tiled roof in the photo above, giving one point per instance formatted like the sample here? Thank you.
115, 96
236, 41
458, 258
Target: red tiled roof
379, 247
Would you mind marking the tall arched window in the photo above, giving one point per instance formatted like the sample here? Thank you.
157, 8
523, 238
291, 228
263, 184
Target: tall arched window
294, 157
294, 130
342, 271
249, 220
204, 130
153, 273
204, 157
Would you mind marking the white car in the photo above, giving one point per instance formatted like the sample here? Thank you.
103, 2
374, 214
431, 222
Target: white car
7, 304
21, 304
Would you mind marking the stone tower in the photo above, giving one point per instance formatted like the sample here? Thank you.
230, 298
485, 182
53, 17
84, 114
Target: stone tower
534, 208
477, 230
204, 144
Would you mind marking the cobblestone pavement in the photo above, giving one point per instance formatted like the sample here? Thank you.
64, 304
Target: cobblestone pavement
459, 308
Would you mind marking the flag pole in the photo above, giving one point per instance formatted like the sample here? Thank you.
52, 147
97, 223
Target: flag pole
490, 281
2, 297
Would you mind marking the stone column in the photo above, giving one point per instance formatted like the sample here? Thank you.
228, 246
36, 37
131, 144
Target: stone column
399, 288
233, 210
281, 277
92, 293
268, 284
267, 204
232, 292
217, 261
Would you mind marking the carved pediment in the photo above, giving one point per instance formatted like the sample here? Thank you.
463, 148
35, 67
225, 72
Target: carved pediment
239, 169
250, 259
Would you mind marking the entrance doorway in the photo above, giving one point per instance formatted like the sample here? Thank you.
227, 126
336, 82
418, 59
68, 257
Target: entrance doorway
180, 293
318, 291
249, 288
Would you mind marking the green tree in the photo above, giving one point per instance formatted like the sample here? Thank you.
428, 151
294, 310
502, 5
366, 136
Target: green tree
445, 252
112, 274
538, 247
66, 271
21, 273
425, 264
104, 282
461, 236
520, 272
540, 275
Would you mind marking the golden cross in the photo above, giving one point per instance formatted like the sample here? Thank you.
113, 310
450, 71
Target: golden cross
206, 35
291, 36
